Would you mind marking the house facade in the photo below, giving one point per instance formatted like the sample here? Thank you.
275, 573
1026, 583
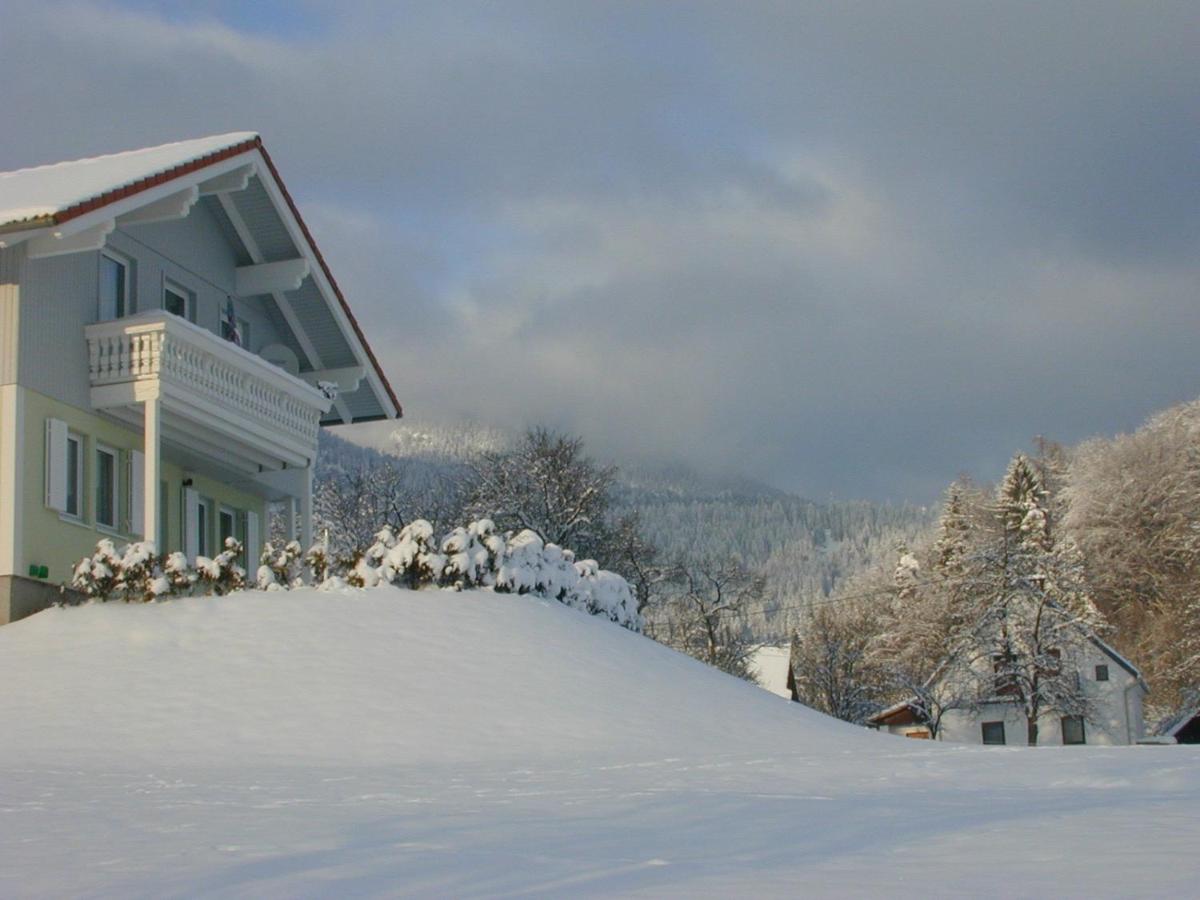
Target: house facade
171, 342
1114, 688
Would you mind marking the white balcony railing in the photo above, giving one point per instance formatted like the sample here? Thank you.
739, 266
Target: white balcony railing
158, 345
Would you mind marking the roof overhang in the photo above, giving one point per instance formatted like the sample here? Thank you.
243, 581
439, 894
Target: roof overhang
85, 225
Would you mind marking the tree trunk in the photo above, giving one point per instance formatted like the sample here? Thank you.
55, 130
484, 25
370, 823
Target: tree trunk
1032, 732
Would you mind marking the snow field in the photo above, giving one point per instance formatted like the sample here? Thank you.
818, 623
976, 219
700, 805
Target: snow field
392, 743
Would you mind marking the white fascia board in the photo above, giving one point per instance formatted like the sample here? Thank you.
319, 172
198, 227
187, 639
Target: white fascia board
329, 295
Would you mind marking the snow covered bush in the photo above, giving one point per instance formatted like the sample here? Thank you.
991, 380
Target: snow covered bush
98, 576
281, 566
474, 557
222, 574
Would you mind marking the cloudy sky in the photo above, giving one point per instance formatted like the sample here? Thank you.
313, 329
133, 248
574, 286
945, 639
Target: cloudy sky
852, 249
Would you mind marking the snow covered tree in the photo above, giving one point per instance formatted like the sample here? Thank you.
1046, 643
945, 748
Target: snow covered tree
1034, 618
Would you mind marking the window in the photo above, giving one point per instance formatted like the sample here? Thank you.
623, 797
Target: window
1072, 730
74, 505
114, 287
1006, 681
1102, 673
993, 732
203, 518
177, 301
64, 469
106, 487
243, 333
226, 527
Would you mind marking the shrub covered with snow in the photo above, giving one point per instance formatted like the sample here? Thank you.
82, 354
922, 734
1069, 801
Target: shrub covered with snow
476, 556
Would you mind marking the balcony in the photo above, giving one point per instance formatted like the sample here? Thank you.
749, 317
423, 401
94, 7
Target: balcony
216, 400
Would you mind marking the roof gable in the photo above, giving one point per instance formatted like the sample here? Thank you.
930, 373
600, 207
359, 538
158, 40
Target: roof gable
73, 206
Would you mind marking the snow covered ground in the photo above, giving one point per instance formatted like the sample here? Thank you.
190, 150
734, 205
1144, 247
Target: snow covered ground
387, 743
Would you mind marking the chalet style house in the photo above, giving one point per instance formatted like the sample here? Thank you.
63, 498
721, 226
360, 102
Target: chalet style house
1114, 688
171, 341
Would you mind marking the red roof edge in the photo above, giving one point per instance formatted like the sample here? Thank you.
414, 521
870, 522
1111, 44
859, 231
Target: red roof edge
329, 275
152, 181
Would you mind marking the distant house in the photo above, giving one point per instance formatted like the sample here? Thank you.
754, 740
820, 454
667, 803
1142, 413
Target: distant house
1114, 687
171, 342
1183, 727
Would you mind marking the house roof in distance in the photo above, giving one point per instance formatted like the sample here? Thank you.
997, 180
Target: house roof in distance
65, 197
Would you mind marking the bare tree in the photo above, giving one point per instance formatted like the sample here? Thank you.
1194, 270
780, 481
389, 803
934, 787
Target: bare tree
547, 485
702, 614
831, 665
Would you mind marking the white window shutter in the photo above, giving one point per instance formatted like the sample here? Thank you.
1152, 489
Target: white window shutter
137, 495
56, 464
191, 516
252, 542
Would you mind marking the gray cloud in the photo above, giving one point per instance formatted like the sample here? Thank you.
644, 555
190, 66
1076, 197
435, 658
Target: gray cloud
852, 250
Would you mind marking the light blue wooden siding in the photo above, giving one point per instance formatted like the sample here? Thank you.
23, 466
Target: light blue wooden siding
60, 296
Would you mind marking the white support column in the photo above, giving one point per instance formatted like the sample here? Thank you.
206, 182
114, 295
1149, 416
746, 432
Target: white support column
306, 509
290, 519
150, 493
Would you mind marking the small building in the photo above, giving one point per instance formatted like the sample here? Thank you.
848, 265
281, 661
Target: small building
171, 342
1182, 728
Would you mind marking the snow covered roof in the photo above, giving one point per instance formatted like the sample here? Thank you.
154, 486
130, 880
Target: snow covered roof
1172, 725
52, 194
99, 192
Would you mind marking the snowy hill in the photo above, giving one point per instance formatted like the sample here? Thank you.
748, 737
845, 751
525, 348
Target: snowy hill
390, 743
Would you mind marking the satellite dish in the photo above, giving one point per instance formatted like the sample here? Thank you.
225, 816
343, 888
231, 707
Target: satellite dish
282, 356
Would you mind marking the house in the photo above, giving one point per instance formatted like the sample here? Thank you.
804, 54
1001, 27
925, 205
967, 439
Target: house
1114, 688
171, 341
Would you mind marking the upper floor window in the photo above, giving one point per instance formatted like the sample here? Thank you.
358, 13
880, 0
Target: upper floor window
178, 302
114, 287
1102, 673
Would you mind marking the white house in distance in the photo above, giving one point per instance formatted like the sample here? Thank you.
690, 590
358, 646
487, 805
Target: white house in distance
1114, 686
171, 341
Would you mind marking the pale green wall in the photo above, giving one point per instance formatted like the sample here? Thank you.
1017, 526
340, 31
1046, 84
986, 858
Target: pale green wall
49, 539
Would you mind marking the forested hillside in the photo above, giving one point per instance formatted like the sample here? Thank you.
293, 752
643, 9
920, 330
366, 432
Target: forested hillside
802, 548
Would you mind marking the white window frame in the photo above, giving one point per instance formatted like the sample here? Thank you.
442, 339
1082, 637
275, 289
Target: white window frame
127, 294
77, 514
189, 299
205, 532
115, 455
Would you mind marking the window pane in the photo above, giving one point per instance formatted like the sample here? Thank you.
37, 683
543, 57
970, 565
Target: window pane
73, 476
1102, 673
225, 526
1072, 730
112, 289
106, 476
202, 529
993, 732
175, 303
